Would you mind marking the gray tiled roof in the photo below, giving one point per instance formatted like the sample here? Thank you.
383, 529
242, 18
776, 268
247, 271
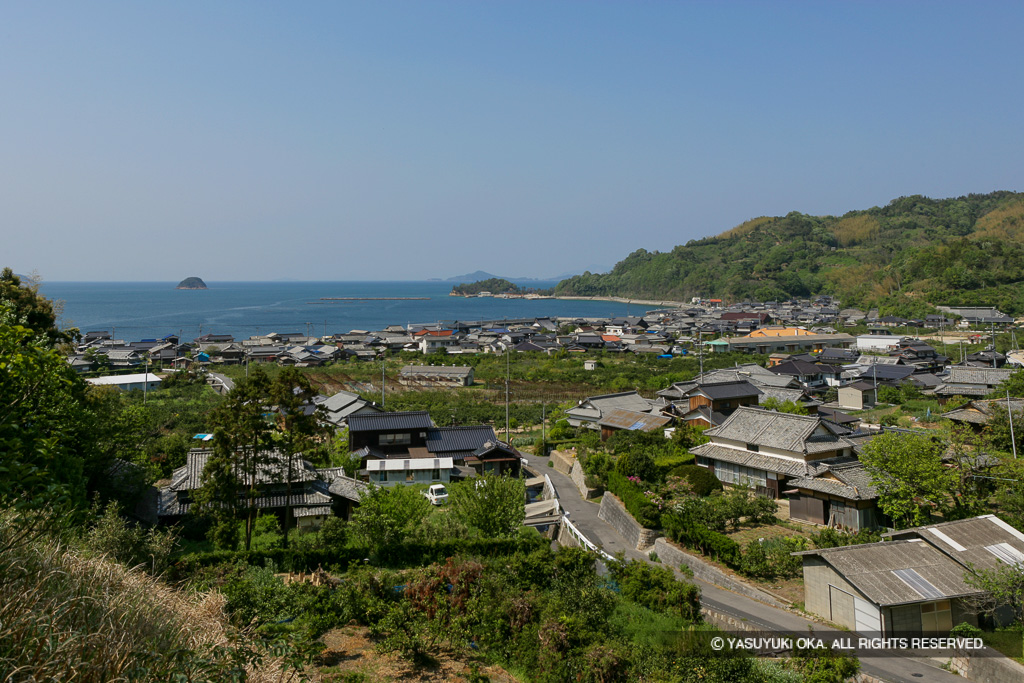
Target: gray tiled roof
768, 463
632, 420
784, 431
959, 374
723, 390
854, 482
384, 422
447, 439
189, 476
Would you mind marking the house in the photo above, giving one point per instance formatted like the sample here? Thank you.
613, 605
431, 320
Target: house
436, 375
978, 412
720, 398
619, 419
964, 380
914, 583
769, 340
890, 588
857, 396
406, 447
765, 448
142, 381
810, 375
839, 494
312, 499
590, 410
342, 405
878, 342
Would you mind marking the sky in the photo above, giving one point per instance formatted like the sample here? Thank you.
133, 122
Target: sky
411, 140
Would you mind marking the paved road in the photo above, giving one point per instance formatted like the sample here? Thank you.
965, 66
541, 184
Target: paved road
897, 668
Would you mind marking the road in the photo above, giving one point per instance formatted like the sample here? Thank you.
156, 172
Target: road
908, 668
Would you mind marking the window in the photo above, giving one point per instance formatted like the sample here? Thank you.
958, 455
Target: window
753, 447
395, 439
435, 475
410, 476
382, 476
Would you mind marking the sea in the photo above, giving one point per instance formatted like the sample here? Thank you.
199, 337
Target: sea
151, 310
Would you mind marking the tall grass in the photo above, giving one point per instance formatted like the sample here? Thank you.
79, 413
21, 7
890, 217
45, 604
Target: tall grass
66, 617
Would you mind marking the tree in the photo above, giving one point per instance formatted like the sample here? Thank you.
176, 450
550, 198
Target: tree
242, 449
386, 516
32, 311
299, 422
1003, 586
907, 469
493, 504
775, 404
48, 452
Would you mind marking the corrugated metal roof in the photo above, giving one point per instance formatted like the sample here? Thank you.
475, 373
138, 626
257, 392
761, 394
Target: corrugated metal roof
872, 569
632, 420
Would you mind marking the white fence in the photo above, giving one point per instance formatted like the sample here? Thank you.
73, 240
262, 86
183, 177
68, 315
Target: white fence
583, 540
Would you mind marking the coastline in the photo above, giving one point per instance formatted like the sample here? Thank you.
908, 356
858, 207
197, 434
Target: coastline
623, 300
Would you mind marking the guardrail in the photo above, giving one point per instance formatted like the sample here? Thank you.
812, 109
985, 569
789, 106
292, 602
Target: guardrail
583, 540
549, 489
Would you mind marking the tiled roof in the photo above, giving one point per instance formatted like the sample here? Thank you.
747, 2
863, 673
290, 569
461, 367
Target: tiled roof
768, 463
967, 540
852, 482
447, 439
385, 422
632, 420
785, 431
724, 390
959, 374
189, 476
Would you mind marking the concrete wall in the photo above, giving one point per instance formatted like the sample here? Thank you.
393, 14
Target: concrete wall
579, 478
990, 669
705, 571
615, 513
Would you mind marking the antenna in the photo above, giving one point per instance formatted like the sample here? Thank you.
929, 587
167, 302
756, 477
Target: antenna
1009, 413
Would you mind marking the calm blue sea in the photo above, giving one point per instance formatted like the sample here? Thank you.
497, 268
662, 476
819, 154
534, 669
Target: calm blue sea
147, 310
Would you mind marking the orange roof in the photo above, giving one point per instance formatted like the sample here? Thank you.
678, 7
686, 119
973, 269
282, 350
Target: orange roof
434, 333
778, 332
610, 337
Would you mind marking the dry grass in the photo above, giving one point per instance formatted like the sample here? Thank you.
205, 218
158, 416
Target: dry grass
745, 227
64, 617
1003, 224
856, 230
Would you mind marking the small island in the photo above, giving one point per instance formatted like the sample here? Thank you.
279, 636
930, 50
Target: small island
192, 283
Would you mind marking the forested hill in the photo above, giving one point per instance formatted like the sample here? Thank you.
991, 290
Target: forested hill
905, 257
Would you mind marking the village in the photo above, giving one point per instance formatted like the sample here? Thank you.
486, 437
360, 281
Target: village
788, 425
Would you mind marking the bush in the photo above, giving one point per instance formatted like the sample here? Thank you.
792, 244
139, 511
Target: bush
632, 496
833, 538
696, 536
702, 480
656, 588
637, 464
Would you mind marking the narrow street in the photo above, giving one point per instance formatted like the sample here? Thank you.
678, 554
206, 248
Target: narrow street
896, 669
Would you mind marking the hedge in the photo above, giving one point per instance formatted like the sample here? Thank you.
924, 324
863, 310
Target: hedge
401, 555
632, 496
705, 541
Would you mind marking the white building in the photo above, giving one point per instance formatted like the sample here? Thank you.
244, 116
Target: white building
878, 342
143, 381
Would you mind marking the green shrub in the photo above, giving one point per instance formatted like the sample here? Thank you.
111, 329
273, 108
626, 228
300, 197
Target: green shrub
656, 588
699, 537
702, 480
833, 538
632, 496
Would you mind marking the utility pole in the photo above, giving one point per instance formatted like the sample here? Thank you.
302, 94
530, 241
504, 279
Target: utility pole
383, 378
1009, 413
145, 384
543, 429
700, 352
508, 375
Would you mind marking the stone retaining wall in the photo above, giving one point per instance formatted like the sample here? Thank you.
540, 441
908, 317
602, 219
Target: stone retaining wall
615, 513
991, 669
580, 479
705, 571
562, 461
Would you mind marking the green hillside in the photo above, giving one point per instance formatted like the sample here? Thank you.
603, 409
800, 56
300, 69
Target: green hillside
904, 257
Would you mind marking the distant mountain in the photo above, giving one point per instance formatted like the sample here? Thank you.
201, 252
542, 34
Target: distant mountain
481, 275
473, 277
904, 258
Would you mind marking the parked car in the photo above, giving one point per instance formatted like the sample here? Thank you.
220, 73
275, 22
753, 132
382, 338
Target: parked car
437, 494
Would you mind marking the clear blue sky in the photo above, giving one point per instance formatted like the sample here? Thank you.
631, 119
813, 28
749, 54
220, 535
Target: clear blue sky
408, 140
